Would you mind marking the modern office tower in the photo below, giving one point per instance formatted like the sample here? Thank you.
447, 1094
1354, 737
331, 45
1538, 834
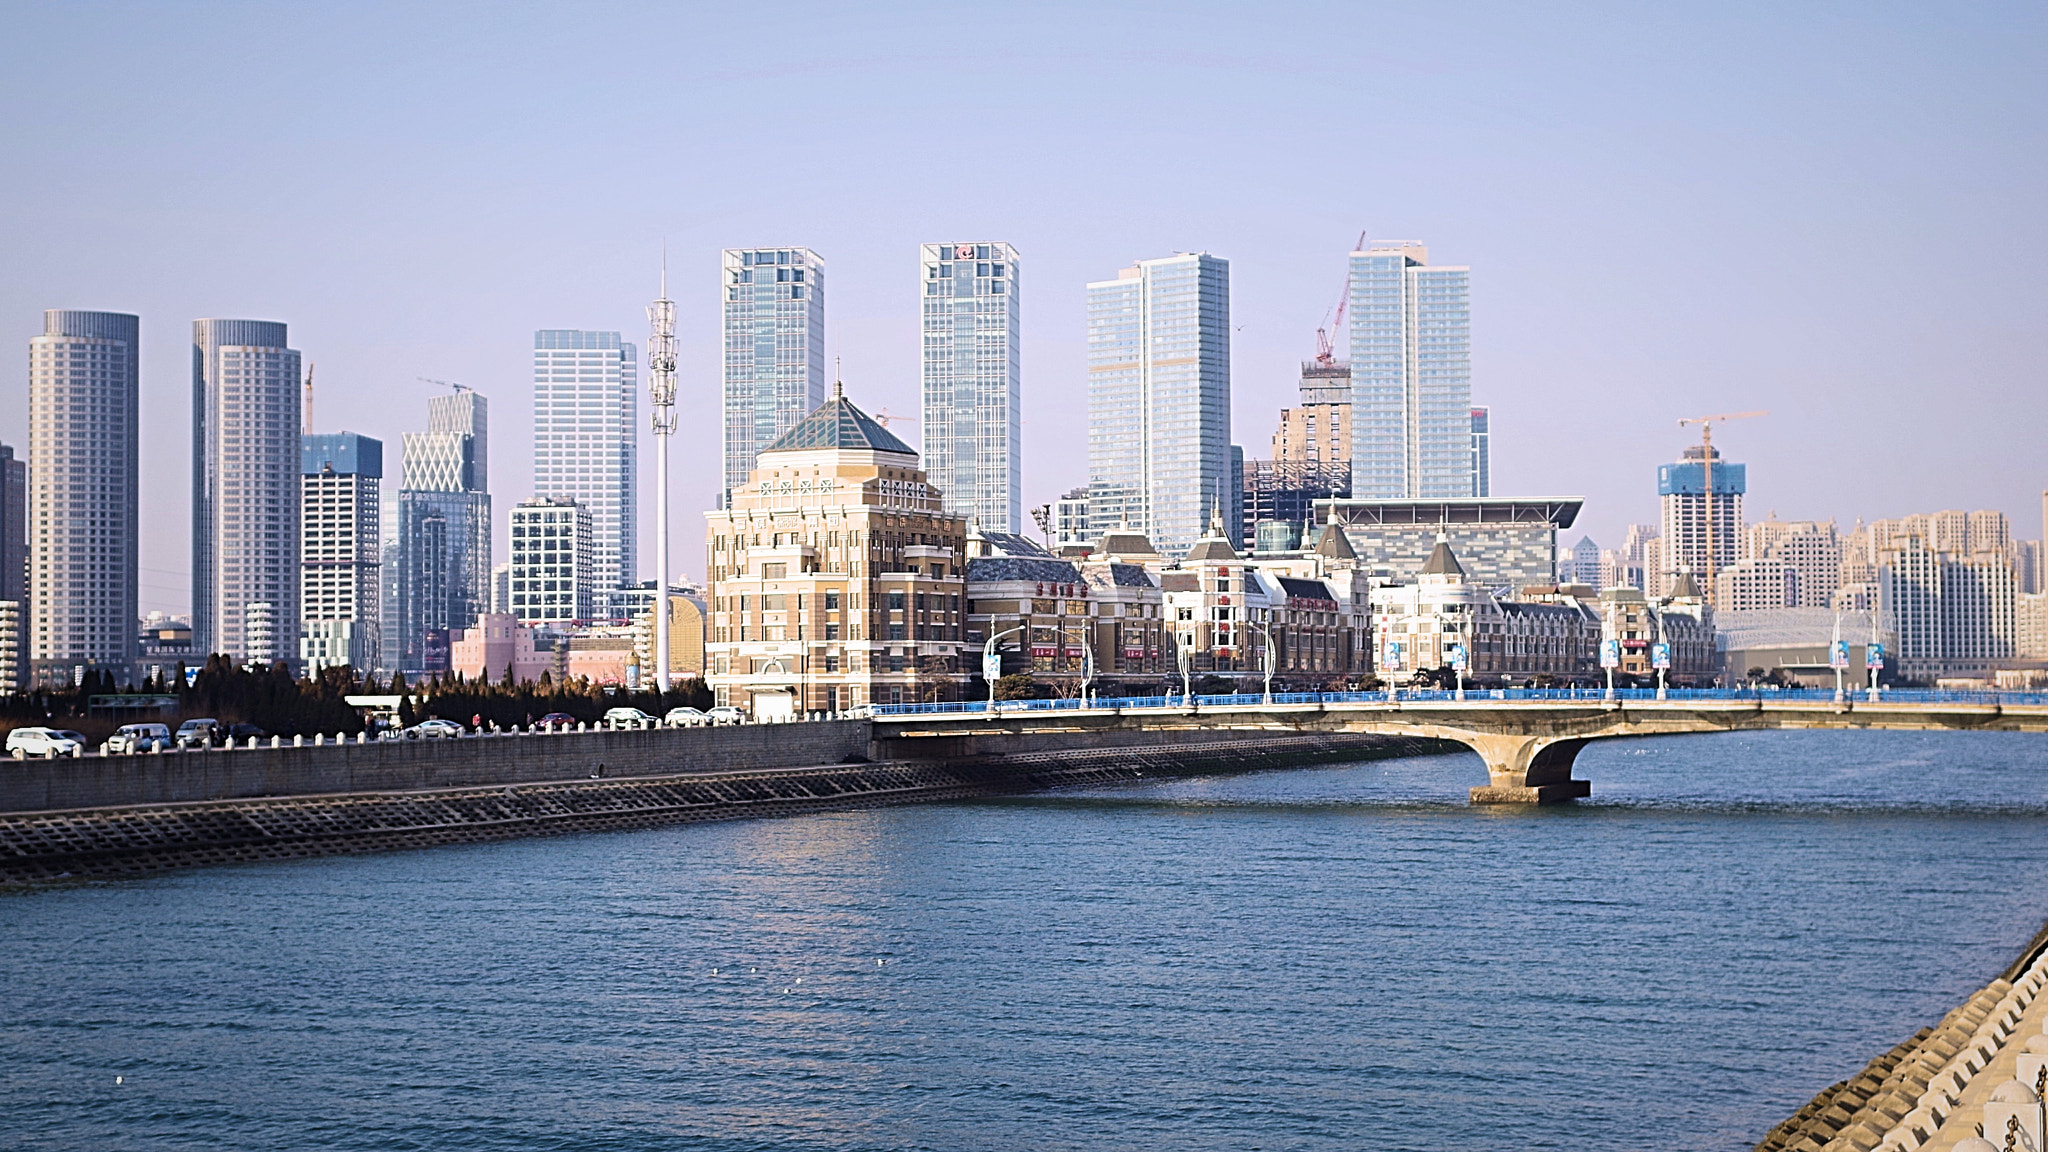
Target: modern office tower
554, 562
1159, 398
437, 570
82, 450
586, 405
13, 527
774, 349
972, 421
835, 575
341, 549
1411, 378
245, 483
1955, 614
1482, 453
1682, 486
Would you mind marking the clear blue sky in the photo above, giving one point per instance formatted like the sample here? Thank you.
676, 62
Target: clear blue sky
1830, 211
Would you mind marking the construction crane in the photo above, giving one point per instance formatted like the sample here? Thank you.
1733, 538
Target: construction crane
1326, 353
446, 384
1706, 424
883, 416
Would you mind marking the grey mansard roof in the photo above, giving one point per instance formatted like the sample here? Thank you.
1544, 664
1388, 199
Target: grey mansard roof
995, 569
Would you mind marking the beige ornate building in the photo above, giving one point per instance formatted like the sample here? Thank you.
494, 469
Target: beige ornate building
836, 576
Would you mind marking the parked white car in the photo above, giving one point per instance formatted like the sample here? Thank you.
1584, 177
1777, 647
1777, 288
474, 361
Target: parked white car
43, 742
131, 738
685, 718
726, 714
629, 718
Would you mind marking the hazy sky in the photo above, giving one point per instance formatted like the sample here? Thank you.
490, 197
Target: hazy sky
1831, 212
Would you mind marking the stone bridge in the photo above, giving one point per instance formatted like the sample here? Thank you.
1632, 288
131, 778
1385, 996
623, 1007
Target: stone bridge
1528, 740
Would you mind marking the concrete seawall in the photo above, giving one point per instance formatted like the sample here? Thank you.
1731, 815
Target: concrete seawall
1946, 1084
400, 765
126, 839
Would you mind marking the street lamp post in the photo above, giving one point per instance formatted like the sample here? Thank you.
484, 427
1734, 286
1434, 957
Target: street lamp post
992, 663
1087, 658
1266, 653
1184, 654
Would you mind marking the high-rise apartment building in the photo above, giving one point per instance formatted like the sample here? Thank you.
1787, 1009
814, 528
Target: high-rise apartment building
586, 429
774, 349
438, 565
83, 388
1955, 614
972, 403
1411, 377
1683, 489
341, 549
1482, 452
13, 526
554, 558
1159, 452
1811, 548
245, 486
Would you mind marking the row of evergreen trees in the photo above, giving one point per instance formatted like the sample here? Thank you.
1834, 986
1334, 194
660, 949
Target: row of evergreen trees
273, 700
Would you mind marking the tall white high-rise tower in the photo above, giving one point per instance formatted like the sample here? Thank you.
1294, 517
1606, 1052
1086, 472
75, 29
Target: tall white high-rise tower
1159, 399
82, 451
586, 406
972, 420
1411, 376
245, 490
774, 349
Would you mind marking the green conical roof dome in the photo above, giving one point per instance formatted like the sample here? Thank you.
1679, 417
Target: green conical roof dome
838, 424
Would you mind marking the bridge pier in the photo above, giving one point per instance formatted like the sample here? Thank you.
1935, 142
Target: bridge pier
1527, 769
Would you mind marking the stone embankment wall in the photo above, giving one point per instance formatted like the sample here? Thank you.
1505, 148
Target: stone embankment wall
137, 838
1947, 1084
399, 765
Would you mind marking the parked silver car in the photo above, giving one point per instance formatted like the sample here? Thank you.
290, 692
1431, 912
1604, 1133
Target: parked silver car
629, 718
685, 718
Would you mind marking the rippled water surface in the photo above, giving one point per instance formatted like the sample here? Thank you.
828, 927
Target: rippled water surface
1332, 958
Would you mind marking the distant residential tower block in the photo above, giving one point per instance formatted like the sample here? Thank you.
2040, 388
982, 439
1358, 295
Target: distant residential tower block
245, 489
774, 349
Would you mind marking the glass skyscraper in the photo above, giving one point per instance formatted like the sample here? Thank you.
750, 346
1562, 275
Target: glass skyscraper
437, 568
341, 549
972, 446
774, 349
245, 490
586, 405
83, 384
1411, 376
1159, 399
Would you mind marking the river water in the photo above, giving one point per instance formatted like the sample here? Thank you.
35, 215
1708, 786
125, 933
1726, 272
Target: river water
1331, 958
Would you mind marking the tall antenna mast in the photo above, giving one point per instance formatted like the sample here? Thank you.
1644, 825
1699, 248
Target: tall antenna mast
661, 383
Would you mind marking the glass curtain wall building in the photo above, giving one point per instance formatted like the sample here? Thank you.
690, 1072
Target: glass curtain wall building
341, 517
1159, 452
1482, 452
552, 555
438, 567
586, 405
774, 350
83, 388
1411, 376
972, 422
245, 489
